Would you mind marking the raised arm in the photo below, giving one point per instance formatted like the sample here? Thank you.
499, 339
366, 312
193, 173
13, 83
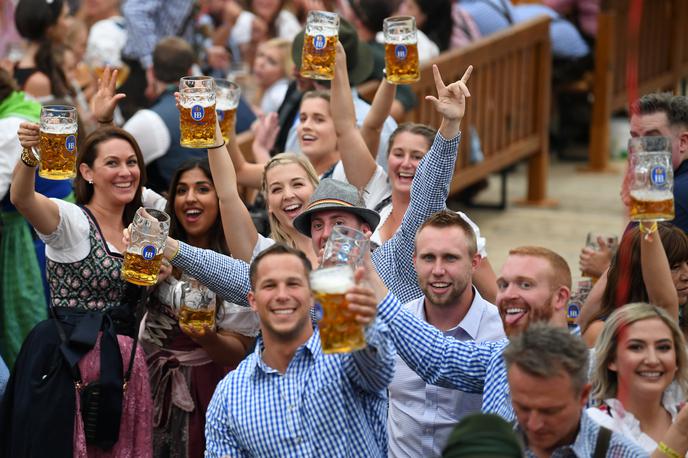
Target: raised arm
375, 119
429, 191
371, 368
359, 164
240, 232
42, 213
657, 272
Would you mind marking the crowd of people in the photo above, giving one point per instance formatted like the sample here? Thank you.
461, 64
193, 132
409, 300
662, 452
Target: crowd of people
462, 359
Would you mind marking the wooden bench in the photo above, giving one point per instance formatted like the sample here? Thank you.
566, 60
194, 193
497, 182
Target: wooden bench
509, 106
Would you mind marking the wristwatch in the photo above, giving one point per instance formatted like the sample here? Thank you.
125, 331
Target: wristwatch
28, 157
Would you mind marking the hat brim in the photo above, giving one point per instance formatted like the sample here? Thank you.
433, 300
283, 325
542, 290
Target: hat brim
302, 223
362, 67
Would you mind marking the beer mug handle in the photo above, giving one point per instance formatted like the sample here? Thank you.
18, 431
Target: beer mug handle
178, 295
36, 152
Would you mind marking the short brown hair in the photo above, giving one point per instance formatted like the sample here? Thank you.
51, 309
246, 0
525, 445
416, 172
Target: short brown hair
448, 218
278, 248
561, 274
172, 59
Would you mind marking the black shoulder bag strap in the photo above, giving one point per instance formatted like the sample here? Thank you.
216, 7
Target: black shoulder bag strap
604, 437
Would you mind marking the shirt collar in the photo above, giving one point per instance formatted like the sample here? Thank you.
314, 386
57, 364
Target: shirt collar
470, 323
311, 348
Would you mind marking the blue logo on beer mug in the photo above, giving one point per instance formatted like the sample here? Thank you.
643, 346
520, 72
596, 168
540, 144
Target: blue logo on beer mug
70, 143
658, 176
319, 42
148, 252
197, 112
400, 52
220, 115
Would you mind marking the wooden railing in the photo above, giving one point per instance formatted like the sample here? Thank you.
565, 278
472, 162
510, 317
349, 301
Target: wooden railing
509, 105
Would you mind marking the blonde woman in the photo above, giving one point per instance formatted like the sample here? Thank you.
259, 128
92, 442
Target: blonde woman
640, 374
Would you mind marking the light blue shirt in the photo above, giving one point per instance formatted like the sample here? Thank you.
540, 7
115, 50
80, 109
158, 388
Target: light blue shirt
422, 416
322, 406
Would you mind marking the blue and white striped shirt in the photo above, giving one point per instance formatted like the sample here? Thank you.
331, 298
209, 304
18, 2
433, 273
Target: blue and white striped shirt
393, 260
445, 361
323, 406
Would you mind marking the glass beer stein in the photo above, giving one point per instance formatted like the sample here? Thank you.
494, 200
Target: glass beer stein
197, 111
57, 142
401, 50
339, 331
195, 304
319, 45
147, 241
228, 94
652, 196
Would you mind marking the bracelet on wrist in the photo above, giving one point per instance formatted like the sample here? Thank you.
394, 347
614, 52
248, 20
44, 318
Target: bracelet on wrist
29, 158
218, 146
647, 230
668, 451
176, 252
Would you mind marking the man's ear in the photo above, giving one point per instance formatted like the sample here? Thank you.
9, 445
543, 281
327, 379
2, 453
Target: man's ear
252, 300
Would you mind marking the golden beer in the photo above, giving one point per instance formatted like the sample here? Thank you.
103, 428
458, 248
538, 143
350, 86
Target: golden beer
401, 63
650, 205
197, 123
317, 59
122, 73
339, 331
58, 153
227, 119
197, 318
140, 270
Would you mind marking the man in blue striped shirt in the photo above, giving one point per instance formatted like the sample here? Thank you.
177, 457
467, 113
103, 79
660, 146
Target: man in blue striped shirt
533, 286
289, 399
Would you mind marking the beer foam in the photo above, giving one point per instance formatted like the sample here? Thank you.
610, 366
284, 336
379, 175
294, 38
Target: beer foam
225, 105
332, 280
651, 195
203, 101
58, 128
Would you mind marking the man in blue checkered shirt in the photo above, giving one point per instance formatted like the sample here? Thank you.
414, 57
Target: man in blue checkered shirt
288, 398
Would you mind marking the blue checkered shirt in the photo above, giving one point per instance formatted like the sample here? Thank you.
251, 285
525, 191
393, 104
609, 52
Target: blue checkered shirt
393, 260
445, 361
147, 21
584, 445
323, 406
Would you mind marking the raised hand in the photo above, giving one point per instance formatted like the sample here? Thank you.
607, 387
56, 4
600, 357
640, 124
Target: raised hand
451, 100
105, 99
265, 131
28, 134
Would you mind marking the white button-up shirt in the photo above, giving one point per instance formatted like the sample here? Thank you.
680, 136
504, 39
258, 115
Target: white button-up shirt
421, 416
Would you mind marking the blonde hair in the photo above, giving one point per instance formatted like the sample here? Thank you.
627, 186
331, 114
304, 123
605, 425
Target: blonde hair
283, 45
277, 231
605, 381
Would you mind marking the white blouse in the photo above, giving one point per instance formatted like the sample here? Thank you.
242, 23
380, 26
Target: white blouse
620, 421
70, 242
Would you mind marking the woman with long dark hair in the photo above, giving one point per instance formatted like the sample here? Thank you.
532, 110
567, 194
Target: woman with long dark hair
186, 363
43, 24
80, 385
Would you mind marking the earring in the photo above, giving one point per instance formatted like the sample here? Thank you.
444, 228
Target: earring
90, 182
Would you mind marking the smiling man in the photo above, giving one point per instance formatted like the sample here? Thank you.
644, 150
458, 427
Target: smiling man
422, 416
289, 398
533, 286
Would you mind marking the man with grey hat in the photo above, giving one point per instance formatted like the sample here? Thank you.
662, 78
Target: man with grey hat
336, 202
